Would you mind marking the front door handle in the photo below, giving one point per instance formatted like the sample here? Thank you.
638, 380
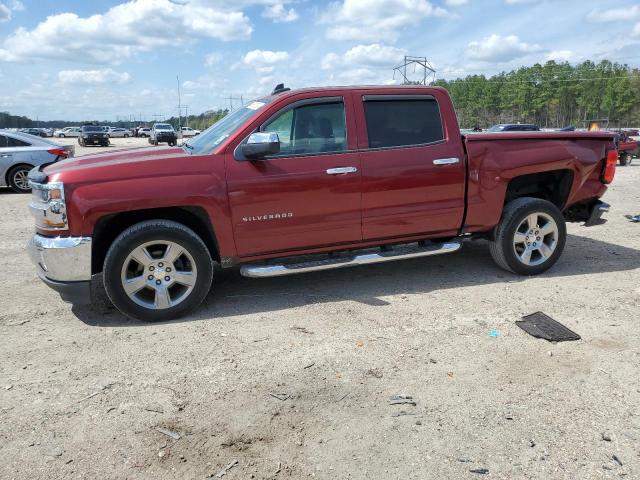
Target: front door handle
446, 161
341, 170
5, 155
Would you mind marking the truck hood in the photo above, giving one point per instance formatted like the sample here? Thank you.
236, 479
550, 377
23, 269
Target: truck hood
130, 163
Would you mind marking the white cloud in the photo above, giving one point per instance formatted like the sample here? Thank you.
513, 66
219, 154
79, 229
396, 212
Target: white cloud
8, 7
278, 13
456, 3
496, 48
375, 19
122, 31
374, 55
519, 2
264, 57
560, 55
89, 77
614, 14
212, 59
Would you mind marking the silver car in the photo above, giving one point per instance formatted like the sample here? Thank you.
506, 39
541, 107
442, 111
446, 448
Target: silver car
20, 152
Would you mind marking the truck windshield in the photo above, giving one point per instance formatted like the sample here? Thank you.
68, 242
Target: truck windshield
163, 126
222, 129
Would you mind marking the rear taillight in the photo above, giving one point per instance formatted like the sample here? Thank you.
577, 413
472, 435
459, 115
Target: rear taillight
59, 152
610, 166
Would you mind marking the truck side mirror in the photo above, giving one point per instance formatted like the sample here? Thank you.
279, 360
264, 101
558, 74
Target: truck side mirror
261, 144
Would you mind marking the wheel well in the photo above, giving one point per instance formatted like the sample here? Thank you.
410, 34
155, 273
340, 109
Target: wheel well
12, 167
553, 186
109, 227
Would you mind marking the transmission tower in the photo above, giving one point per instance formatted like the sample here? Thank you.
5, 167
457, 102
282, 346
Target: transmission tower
417, 63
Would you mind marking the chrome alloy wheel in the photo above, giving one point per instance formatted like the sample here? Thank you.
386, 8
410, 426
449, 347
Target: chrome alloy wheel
21, 180
159, 274
535, 239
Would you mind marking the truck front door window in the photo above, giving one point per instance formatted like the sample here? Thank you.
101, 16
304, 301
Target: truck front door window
310, 129
396, 123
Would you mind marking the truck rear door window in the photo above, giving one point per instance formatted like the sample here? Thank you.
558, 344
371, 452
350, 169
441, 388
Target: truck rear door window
396, 122
310, 129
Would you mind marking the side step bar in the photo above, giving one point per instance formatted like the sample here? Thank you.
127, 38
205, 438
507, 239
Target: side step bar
387, 254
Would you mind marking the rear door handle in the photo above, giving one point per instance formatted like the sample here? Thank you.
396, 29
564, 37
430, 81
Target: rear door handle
446, 161
341, 170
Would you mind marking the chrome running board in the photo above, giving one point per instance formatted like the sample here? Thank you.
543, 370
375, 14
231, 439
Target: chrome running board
348, 259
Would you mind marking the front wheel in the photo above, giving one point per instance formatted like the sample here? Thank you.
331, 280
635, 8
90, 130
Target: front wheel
157, 270
126, 136
61, 135
530, 236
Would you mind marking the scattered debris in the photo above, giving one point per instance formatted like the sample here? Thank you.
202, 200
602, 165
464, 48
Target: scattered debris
359, 343
616, 459
153, 409
402, 400
8, 387
494, 333
433, 360
464, 460
450, 374
17, 324
54, 452
543, 326
278, 469
342, 397
110, 409
260, 339
301, 329
606, 437
418, 422
402, 413
532, 443
224, 471
280, 396
95, 393
633, 218
309, 366
375, 372
481, 471
169, 433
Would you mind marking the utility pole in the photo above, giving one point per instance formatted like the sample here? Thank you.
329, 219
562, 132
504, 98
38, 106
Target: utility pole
231, 98
179, 107
417, 62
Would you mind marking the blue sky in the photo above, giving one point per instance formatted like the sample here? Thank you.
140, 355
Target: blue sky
109, 59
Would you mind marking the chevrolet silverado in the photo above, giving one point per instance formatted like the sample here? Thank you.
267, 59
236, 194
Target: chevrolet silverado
308, 180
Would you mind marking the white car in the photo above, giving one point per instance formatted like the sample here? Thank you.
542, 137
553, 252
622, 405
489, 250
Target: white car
189, 132
67, 132
119, 133
144, 132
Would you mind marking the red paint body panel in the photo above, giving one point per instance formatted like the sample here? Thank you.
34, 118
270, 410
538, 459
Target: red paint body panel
628, 146
397, 194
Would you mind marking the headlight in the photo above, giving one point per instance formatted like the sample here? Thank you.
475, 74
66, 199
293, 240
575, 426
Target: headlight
48, 206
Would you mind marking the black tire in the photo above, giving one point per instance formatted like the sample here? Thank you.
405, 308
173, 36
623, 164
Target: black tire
625, 159
61, 135
16, 178
126, 136
152, 231
503, 248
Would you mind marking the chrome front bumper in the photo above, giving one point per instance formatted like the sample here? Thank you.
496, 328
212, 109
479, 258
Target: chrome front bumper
61, 259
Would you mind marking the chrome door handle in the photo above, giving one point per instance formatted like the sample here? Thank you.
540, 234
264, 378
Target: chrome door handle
341, 170
446, 161
5, 156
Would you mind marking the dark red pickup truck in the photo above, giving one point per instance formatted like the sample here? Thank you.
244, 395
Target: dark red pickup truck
309, 180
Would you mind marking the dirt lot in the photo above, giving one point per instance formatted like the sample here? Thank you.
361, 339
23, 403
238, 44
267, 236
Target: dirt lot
291, 377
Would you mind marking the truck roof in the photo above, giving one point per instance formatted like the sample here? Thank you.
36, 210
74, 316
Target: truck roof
377, 88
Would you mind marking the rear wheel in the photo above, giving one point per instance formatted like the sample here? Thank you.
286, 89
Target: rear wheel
625, 159
17, 178
126, 135
61, 135
157, 270
530, 236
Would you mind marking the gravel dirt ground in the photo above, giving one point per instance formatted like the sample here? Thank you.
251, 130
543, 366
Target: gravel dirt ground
291, 377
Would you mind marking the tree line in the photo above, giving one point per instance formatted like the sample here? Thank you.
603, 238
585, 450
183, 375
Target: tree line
198, 122
549, 95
